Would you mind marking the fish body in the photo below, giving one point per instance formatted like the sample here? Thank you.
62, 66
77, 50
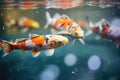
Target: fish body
62, 24
104, 29
23, 22
27, 22
36, 43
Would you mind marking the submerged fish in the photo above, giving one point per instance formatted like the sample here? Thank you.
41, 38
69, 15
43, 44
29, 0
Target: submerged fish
62, 24
36, 43
1, 45
23, 22
104, 29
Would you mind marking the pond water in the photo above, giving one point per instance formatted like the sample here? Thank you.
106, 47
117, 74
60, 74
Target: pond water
95, 60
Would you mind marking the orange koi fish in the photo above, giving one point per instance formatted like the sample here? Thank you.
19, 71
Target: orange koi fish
24, 23
62, 24
36, 43
27, 22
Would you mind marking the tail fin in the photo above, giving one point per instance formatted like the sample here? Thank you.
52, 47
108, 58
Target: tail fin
49, 19
104, 20
7, 48
90, 26
56, 17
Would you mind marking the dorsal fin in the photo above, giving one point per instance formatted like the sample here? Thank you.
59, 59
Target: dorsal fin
33, 35
20, 40
65, 16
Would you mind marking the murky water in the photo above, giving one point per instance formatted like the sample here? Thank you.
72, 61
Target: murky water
96, 60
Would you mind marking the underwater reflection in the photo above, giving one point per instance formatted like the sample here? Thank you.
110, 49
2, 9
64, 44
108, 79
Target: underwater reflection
59, 4
20, 25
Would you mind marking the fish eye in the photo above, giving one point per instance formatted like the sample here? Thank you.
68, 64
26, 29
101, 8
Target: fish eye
60, 42
76, 33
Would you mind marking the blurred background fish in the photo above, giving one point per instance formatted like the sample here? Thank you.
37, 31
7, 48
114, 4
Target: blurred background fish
103, 28
1, 45
22, 25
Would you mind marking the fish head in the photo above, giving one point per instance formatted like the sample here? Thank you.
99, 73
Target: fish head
35, 24
77, 32
57, 41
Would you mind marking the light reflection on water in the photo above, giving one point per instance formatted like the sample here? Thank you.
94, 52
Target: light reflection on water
63, 4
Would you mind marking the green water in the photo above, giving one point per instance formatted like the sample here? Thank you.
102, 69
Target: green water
22, 66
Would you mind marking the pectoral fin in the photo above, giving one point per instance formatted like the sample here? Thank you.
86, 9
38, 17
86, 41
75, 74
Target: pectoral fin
49, 52
82, 41
35, 53
73, 42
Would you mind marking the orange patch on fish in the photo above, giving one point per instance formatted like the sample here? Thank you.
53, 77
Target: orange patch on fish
38, 40
75, 28
64, 22
27, 22
20, 43
1, 44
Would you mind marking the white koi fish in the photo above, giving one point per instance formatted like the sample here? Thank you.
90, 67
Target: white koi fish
36, 43
62, 24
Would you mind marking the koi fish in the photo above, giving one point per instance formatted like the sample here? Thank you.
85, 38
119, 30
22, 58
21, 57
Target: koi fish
1, 45
27, 22
62, 24
104, 29
24, 23
36, 43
